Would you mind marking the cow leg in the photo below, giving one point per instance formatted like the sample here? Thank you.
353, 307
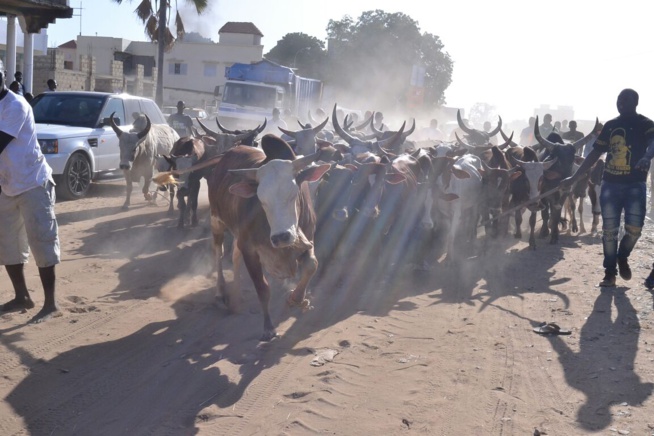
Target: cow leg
518, 224
171, 203
582, 229
532, 229
128, 190
253, 265
545, 215
181, 205
218, 232
570, 206
308, 265
194, 194
557, 207
146, 189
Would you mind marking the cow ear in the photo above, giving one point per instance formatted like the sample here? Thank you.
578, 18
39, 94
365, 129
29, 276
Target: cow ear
459, 173
312, 174
514, 175
395, 178
243, 189
449, 197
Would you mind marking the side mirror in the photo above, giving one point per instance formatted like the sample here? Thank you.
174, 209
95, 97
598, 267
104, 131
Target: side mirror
107, 122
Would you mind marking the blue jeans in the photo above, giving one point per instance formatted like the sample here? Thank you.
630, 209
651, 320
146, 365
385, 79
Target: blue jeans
614, 199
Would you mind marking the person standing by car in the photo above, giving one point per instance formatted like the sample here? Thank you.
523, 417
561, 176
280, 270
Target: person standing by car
18, 84
27, 217
181, 122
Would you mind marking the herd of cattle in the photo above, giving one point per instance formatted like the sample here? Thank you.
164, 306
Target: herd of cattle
368, 193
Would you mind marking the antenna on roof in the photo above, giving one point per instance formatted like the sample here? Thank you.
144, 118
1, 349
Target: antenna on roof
80, 16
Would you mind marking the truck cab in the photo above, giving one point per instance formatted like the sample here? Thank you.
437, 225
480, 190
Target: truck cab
245, 104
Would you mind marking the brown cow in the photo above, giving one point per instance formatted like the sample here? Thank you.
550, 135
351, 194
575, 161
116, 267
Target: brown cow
265, 203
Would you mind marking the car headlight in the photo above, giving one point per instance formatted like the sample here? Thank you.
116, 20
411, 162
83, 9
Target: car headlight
49, 146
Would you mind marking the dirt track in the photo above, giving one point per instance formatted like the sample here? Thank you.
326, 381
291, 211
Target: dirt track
144, 350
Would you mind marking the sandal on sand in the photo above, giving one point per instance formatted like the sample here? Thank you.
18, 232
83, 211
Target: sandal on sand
550, 329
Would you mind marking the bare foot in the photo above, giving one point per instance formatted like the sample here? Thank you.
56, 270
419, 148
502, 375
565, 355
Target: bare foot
16, 305
46, 313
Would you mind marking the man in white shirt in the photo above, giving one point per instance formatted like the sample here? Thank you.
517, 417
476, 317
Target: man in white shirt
27, 197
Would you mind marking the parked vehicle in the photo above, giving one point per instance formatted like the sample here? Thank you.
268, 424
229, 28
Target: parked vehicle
252, 91
76, 137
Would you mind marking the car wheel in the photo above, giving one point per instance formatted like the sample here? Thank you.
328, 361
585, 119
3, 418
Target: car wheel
76, 179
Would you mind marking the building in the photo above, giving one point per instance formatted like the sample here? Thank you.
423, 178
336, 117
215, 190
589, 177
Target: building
33, 16
194, 69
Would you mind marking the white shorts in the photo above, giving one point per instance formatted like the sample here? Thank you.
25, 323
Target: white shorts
27, 221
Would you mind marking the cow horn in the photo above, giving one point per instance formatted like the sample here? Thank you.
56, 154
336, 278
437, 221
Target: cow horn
497, 129
410, 131
462, 125
207, 130
222, 129
581, 142
374, 129
389, 143
507, 141
364, 124
263, 126
114, 126
302, 126
146, 130
287, 132
320, 126
472, 148
506, 138
543, 141
347, 125
339, 130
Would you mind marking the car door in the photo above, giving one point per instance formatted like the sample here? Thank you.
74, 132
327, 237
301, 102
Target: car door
106, 151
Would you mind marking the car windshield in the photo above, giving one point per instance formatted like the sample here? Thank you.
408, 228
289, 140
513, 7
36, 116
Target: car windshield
67, 109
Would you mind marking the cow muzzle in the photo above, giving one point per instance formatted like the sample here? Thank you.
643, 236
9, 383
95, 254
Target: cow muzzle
283, 239
340, 215
125, 166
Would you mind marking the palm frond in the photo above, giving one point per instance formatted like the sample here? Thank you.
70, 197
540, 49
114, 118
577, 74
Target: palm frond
179, 26
152, 29
144, 10
200, 5
169, 40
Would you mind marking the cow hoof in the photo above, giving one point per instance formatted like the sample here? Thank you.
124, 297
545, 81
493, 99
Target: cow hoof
268, 335
125, 207
305, 304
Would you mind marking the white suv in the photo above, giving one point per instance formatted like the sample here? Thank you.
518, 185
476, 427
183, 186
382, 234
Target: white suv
76, 137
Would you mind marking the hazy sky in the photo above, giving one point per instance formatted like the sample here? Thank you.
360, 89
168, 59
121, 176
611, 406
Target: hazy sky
513, 54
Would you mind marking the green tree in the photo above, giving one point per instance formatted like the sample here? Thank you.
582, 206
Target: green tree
374, 58
158, 30
300, 51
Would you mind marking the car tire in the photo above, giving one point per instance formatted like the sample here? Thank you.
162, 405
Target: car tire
75, 182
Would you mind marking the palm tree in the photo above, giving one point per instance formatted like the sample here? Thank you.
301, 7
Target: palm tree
156, 27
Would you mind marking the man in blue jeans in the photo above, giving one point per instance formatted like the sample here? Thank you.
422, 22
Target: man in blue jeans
628, 141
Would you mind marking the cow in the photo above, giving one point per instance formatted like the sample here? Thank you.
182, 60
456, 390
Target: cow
358, 145
594, 182
474, 136
564, 154
225, 141
138, 152
249, 140
265, 203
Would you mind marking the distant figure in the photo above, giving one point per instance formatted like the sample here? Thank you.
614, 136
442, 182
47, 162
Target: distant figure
527, 134
430, 133
546, 128
18, 84
29, 97
274, 122
52, 85
379, 122
181, 122
573, 135
564, 126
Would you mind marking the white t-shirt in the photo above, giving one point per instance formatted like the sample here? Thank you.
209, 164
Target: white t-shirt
22, 165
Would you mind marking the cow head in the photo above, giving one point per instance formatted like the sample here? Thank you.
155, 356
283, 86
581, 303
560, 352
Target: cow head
477, 137
361, 145
277, 186
129, 142
305, 139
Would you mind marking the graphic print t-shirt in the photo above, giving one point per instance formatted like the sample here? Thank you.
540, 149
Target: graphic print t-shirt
625, 140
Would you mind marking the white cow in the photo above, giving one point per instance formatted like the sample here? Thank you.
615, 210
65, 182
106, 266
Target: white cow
138, 152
